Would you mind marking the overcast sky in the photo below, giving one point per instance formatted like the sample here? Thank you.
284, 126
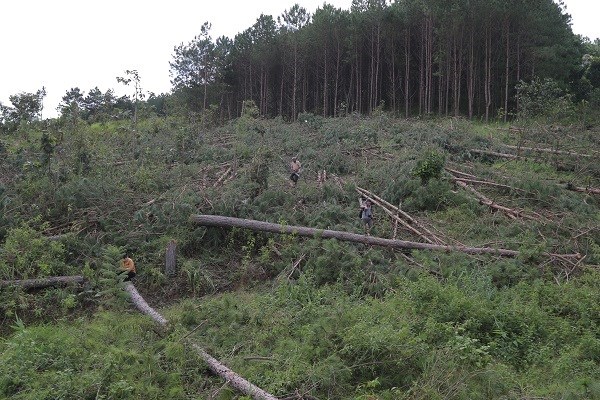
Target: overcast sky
62, 44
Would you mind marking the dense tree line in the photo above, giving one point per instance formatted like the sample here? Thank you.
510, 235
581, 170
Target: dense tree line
412, 57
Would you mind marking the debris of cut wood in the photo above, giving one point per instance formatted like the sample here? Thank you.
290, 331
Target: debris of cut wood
402, 217
510, 212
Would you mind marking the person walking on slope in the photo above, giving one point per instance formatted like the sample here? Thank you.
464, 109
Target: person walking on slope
295, 170
366, 214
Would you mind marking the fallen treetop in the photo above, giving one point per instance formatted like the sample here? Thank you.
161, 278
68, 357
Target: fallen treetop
221, 221
44, 282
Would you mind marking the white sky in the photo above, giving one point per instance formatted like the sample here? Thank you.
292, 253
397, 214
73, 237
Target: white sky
62, 44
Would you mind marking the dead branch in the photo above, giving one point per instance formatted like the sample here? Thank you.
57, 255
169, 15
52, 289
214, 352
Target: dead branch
222, 177
510, 212
463, 174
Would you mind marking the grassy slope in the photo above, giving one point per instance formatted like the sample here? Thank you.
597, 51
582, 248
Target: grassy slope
350, 321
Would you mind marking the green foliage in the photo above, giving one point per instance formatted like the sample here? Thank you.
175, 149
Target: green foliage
98, 359
430, 166
27, 254
544, 98
329, 318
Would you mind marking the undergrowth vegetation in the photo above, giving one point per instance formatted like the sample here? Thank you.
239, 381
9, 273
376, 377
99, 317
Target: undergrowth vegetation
324, 318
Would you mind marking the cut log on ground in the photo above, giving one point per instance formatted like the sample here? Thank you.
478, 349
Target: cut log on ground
487, 183
545, 150
233, 379
230, 222
495, 154
45, 282
583, 189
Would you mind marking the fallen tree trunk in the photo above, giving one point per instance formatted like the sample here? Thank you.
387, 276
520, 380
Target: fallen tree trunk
233, 379
45, 282
545, 150
583, 189
486, 183
496, 154
220, 221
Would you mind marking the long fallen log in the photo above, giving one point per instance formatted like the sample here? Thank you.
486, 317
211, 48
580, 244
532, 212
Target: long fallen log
486, 183
221, 221
545, 150
234, 380
44, 282
583, 189
495, 154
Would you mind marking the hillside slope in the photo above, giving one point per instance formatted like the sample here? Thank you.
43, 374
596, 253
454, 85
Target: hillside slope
304, 316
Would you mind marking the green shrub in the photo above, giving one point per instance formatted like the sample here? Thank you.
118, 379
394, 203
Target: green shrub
27, 254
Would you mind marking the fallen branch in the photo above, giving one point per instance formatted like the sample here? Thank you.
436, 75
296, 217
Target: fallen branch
234, 380
45, 282
510, 212
221, 221
222, 177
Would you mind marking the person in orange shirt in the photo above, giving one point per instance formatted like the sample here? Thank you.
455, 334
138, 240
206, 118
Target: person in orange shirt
127, 265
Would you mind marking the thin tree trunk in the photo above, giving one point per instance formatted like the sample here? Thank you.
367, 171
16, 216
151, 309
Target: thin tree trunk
506, 73
337, 75
407, 74
471, 78
488, 72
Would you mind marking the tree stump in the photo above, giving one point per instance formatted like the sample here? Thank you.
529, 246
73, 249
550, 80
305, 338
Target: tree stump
171, 259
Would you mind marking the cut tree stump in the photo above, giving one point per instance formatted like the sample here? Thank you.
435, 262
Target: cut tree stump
45, 282
221, 221
171, 259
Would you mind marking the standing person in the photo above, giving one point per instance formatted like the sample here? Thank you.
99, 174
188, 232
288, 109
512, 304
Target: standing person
127, 265
295, 170
366, 214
